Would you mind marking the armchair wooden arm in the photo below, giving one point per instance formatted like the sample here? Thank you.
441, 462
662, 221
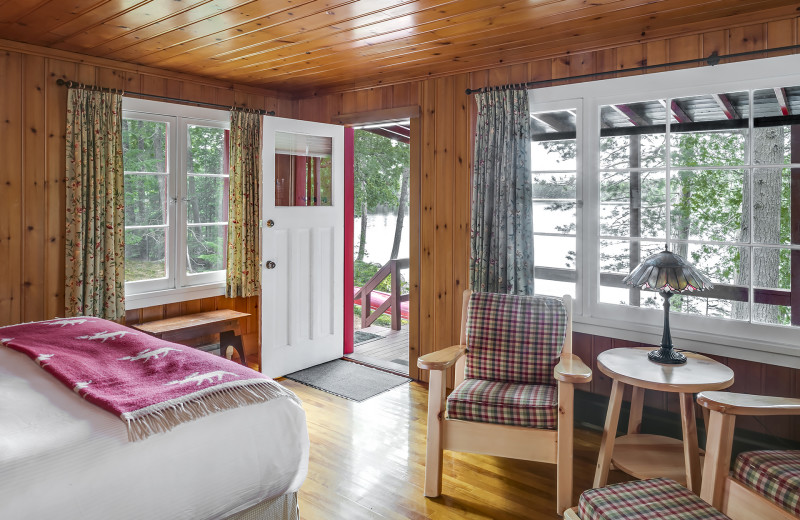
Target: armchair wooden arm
441, 359
719, 489
730, 403
572, 370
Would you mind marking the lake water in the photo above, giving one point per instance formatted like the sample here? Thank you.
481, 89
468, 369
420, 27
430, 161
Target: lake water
380, 237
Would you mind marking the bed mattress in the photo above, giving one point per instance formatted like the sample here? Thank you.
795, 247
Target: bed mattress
61, 457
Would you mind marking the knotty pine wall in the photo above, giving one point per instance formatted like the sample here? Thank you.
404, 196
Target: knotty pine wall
443, 199
32, 157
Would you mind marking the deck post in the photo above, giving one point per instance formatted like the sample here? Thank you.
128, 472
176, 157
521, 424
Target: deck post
394, 297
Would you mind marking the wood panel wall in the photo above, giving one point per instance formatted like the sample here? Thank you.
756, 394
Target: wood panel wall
447, 115
32, 165
32, 119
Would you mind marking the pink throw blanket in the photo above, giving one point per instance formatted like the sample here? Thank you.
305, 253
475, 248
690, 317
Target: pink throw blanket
151, 384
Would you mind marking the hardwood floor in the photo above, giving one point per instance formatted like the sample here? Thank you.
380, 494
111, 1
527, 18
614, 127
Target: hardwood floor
367, 461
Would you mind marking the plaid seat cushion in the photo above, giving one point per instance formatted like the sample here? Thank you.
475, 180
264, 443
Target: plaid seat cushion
774, 474
514, 338
659, 498
534, 406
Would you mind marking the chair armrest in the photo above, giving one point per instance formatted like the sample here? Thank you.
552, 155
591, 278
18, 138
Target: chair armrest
572, 370
747, 404
441, 359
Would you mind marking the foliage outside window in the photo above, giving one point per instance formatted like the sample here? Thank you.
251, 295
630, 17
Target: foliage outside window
176, 198
715, 184
705, 161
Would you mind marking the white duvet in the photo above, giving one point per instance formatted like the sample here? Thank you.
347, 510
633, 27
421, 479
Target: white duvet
63, 458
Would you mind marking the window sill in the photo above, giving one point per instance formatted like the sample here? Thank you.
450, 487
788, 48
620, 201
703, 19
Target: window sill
149, 299
766, 350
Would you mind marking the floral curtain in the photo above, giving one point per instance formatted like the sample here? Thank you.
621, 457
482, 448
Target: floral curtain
244, 211
501, 256
95, 206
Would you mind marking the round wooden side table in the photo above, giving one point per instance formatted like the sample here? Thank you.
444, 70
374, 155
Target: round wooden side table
649, 456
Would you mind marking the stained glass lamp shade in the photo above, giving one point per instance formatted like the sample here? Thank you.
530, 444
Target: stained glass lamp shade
668, 274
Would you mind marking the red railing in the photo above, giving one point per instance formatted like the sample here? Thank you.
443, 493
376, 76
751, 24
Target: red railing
394, 300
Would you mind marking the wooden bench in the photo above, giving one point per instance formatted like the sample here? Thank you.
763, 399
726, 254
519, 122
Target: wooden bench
181, 329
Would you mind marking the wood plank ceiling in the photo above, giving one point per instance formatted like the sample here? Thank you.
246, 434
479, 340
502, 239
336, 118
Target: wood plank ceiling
306, 46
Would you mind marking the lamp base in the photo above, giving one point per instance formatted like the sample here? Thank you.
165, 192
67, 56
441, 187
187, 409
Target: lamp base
666, 356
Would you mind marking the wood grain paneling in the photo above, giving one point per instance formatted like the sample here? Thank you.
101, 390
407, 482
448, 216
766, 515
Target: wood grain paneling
432, 76
319, 45
445, 184
11, 187
33, 122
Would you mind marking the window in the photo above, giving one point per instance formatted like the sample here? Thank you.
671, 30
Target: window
176, 201
699, 160
554, 167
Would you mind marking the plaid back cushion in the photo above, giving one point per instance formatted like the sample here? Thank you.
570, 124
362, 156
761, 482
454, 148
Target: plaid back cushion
514, 338
774, 474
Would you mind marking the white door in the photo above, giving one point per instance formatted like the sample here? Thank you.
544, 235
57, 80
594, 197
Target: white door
303, 245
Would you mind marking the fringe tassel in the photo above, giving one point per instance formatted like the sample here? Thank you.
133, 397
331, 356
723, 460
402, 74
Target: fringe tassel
195, 407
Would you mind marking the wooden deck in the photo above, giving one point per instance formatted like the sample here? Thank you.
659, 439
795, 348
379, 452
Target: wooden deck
388, 352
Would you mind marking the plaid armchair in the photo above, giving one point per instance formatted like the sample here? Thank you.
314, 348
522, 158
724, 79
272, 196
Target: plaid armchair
513, 395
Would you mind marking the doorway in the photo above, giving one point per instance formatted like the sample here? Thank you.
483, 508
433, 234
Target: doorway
381, 227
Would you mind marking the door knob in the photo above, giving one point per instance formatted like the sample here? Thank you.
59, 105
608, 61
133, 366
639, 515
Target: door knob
270, 223
270, 264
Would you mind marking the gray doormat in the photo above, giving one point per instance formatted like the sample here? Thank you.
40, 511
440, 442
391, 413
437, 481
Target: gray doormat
361, 337
346, 379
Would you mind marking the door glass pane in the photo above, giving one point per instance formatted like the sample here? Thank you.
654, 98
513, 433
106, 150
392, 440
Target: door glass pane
205, 247
206, 150
712, 130
206, 199
145, 253
144, 145
554, 207
303, 170
773, 113
145, 199
632, 135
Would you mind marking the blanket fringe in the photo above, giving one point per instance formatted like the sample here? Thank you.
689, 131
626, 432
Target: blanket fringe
141, 426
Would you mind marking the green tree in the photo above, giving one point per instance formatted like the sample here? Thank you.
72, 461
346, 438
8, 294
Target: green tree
379, 166
710, 204
145, 162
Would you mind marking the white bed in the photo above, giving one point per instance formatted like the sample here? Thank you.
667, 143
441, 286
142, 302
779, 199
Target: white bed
64, 458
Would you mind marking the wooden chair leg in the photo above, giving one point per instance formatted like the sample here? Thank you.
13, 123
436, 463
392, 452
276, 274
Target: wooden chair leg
433, 457
566, 419
718, 458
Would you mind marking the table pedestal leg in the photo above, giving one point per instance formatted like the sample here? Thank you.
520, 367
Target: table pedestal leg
691, 452
609, 434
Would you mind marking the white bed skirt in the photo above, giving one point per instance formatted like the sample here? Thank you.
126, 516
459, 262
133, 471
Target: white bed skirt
283, 507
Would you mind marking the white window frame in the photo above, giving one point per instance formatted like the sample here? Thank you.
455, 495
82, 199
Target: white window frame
755, 342
178, 285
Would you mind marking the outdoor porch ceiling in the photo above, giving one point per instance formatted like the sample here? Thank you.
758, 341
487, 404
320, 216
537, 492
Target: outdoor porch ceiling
307, 46
771, 107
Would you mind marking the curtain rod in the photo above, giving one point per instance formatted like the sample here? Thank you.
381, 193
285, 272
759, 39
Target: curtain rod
713, 59
75, 84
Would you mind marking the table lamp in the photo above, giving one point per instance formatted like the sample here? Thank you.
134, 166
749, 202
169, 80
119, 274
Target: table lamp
667, 273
